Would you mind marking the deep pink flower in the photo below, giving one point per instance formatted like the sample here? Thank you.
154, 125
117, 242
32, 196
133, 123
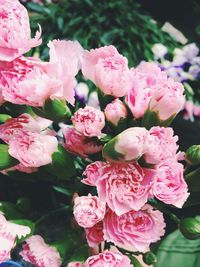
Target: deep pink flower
78, 144
8, 235
37, 252
15, 35
108, 259
88, 210
108, 70
89, 121
152, 89
115, 111
163, 145
93, 172
31, 82
124, 187
24, 122
94, 235
134, 230
33, 149
169, 185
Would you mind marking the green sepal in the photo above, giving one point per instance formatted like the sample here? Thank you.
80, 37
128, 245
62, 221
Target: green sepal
151, 118
6, 161
193, 154
190, 228
62, 165
4, 118
149, 258
109, 151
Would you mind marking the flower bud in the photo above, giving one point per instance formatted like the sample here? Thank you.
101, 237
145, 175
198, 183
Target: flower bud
193, 154
149, 258
190, 228
115, 111
128, 146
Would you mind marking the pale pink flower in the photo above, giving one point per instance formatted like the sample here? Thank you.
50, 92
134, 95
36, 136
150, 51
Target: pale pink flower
152, 89
79, 144
24, 122
33, 149
124, 186
108, 70
8, 235
75, 264
37, 252
15, 34
134, 230
89, 121
130, 145
169, 185
115, 111
93, 172
108, 259
94, 235
163, 145
88, 210
31, 82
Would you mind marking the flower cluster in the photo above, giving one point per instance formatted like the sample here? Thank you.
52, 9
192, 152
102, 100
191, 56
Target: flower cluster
118, 148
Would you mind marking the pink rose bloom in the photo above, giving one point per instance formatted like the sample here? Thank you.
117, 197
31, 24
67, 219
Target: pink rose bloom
88, 210
89, 121
33, 149
93, 172
8, 235
124, 187
94, 235
163, 145
29, 81
134, 230
108, 70
37, 252
75, 264
152, 89
169, 185
79, 144
131, 144
108, 259
115, 111
24, 122
15, 35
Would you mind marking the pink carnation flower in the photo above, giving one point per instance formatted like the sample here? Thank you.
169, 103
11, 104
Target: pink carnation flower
8, 235
163, 145
108, 259
31, 82
37, 252
75, 264
15, 35
88, 210
33, 149
94, 235
124, 187
134, 230
108, 70
93, 172
152, 89
24, 122
169, 185
115, 111
89, 121
79, 144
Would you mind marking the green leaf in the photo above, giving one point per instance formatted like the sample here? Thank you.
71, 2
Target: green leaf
80, 254
4, 118
24, 222
62, 165
62, 190
193, 180
10, 210
36, 7
6, 161
23, 204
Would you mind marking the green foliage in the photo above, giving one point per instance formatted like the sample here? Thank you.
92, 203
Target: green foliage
6, 161
97, 23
